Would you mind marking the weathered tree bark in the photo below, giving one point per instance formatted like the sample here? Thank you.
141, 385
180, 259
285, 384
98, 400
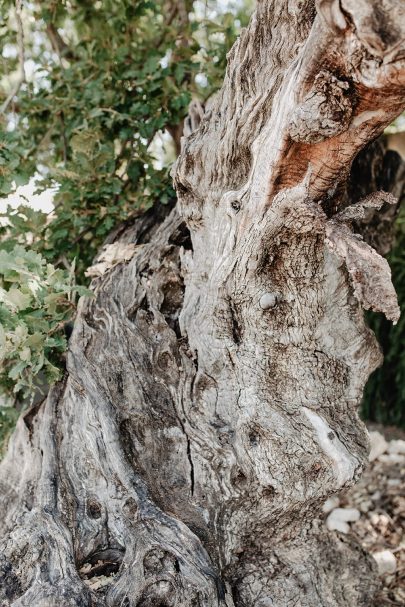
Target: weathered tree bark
210, 401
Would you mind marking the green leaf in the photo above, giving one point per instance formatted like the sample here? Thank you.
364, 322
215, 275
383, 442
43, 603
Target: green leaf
17, 299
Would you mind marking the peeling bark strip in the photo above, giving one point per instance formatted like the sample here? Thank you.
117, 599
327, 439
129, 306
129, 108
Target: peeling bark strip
210, 404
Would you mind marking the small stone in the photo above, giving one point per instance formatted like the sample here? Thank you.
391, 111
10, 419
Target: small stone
335, 525
378, 446
399, 594
374, 518
268, 300
366, 506
330, 504
386, 562
392, 458
349, 515
339, 517
396, 447
376, 496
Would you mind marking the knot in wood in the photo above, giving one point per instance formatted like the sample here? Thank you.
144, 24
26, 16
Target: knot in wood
235, 205
94, 509
332, 14
326, 110
268, 300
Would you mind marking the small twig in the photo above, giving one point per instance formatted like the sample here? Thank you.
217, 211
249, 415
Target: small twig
65, 262
77, 240
58, 44
21, 57
64, 139
183, 10
171, 15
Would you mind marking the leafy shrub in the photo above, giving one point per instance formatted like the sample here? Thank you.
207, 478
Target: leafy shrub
36, 300
8, 419
110, 79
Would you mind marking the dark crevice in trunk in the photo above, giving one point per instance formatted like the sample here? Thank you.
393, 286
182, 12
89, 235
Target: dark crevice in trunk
181, 237
140, 228
236, 327
102, 562
189, 457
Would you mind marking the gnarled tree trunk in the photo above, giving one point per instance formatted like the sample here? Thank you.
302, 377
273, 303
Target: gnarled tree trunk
210, 401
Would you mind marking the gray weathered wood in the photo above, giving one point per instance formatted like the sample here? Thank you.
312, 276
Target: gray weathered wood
212, 386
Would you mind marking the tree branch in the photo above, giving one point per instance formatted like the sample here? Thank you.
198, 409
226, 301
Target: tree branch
58, 44
313, 109
21, 58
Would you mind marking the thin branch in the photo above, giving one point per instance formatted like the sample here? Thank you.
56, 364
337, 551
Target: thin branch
176, 133
58, 44
170, 16
21, 58
64, 139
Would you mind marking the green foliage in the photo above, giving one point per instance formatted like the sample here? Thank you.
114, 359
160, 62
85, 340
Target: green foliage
36, 300
109, 77
8, 419
11, 155
384, 397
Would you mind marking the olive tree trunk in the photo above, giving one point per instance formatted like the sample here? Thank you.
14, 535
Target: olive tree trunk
210, 401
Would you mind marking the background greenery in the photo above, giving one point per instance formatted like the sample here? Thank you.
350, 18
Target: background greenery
93, 94
107, 77
384, 396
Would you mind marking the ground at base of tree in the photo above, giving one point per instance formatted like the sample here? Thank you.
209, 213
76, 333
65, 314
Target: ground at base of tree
378, 499
378, 503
